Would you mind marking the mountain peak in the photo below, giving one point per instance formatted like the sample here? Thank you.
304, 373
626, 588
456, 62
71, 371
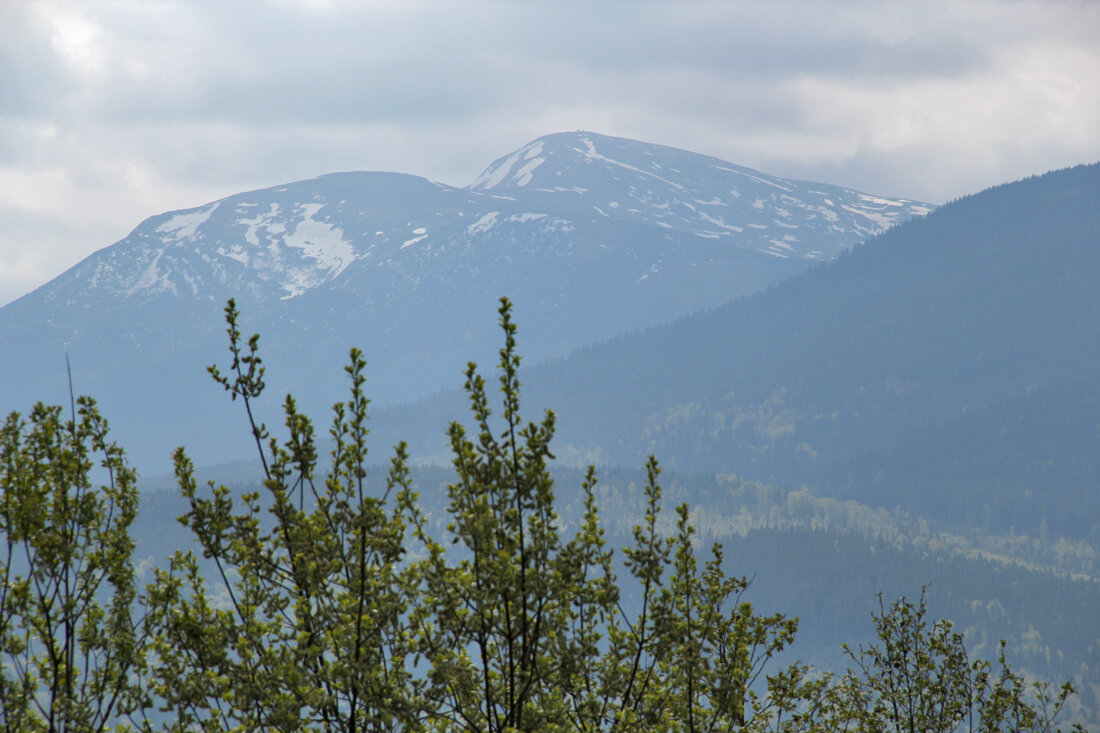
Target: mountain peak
657, 185
540, 162
567, 154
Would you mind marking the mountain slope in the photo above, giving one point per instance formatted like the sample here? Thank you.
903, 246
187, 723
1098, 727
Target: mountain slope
947, 367
595, 235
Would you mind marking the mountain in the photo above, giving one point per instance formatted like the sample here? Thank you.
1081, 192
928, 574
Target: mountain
946, 368
594, 236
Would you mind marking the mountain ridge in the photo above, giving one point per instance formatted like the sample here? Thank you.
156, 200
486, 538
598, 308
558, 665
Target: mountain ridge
407, 268
985, 309
869, 214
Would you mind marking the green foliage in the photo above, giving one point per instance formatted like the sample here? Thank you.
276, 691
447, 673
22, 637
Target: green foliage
304, 625
919, 678
523, 628
317, 619
71, 653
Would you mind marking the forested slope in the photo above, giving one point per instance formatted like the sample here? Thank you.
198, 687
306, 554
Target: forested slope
947, 366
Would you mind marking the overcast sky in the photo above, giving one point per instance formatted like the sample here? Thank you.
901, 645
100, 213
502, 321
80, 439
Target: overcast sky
111, 112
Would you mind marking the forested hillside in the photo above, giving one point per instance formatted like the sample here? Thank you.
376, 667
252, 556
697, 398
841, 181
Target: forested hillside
820, 560
947, 367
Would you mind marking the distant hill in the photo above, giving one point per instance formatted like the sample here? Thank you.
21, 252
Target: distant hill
593, 235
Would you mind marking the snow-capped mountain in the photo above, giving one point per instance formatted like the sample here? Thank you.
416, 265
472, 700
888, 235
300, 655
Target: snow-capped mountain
686, 192
591, 236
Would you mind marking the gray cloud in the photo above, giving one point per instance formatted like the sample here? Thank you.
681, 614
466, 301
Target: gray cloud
114, 111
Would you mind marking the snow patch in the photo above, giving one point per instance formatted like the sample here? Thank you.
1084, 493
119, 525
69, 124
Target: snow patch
185, 225
523, 175
421, 231
557, 189
653, 269
533, 150
751, 177
321, 242
718, 222
150, 276
236, 252
524, 218
483, 224
323, 251
591, 154
265, 222
880, 201
879, 219
495, 175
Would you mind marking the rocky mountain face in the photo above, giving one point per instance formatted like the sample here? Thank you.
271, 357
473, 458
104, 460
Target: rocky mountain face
591, 236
